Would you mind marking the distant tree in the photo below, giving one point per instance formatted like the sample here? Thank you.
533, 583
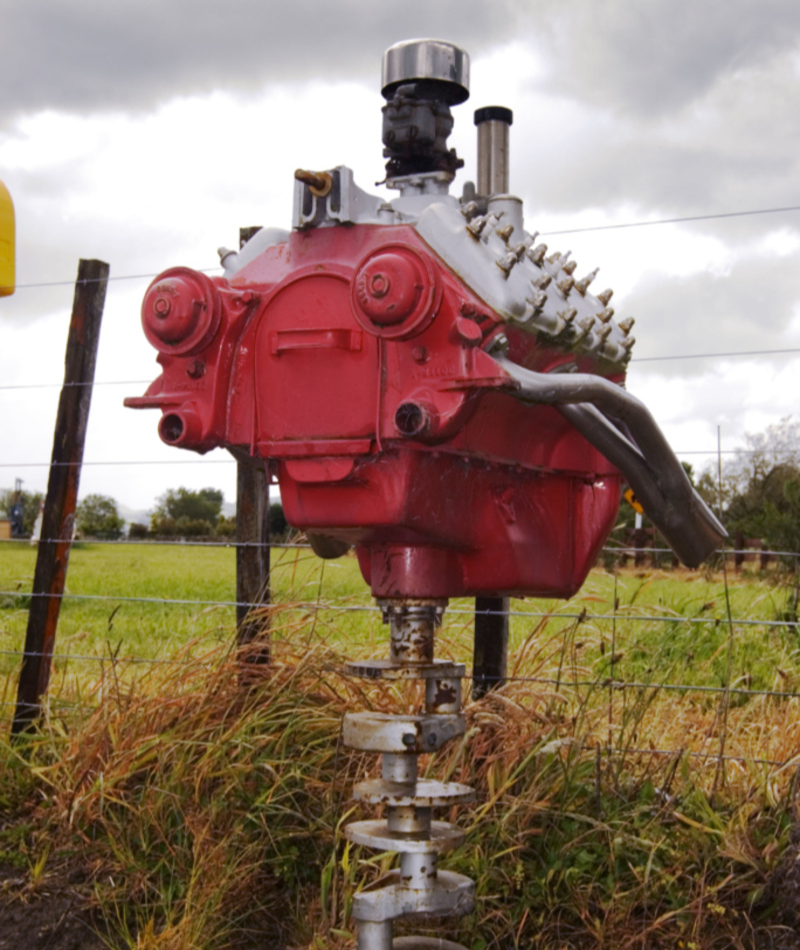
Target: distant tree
780, 522
30, 502
277, 519
758, 489
183, 506
226, 527
97, 517
137, 531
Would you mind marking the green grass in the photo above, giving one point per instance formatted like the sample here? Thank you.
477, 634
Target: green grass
197, 813
132, 618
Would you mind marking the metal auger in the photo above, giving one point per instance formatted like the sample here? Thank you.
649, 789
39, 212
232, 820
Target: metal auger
417, 887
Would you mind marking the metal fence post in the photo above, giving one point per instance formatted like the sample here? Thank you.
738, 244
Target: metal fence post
58, 520
490, 657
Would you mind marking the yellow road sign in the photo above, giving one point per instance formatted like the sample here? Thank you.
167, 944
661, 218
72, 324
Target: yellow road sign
6, 242
633, 501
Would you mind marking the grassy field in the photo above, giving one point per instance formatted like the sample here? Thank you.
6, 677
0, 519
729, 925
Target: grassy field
179, 809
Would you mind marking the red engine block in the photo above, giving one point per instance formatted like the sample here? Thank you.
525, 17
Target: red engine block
356, 360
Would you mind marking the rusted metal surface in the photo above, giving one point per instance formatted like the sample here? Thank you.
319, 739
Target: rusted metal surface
378, 669
453, 895
320, 183
418, 887
377, 834
442, 695
62, 490
426, 793
383, 732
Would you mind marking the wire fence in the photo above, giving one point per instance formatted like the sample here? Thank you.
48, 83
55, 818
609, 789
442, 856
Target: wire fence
561, 625
570, 675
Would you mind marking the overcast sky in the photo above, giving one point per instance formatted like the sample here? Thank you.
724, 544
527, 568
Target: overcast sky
146, 134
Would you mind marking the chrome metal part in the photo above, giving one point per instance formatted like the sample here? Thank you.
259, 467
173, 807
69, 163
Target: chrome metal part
425, 943
621, 427
452, 895
427, 59
493, 124
418, 887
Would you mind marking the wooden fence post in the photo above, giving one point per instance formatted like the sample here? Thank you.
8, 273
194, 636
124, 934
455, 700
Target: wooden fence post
252, 536
252, 556
62, 491
490, 656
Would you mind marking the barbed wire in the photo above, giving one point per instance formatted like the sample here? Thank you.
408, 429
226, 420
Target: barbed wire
100, 280
582, 616
156, 542
683, 219
302, 545
679, 220
175, 461
591, 750
561, 683
782, 351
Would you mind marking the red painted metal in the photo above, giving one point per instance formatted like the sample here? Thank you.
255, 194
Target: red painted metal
355, 358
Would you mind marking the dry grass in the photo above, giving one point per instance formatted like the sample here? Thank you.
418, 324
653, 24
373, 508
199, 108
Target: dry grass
199, 808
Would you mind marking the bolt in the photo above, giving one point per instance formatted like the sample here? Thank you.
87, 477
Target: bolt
162, 307
626, 325
542, 282
568, 316
469, 210
196, 369
605, 296
505, 232
605, 315
566, 285
320, 183
477, 225
409, 739
537, 300
498, 344
570, 266
380, 285
431, 739
420, 354
582, 285
506, 262
604, 332
538, 253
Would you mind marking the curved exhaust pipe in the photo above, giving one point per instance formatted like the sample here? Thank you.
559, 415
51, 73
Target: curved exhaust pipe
621, 427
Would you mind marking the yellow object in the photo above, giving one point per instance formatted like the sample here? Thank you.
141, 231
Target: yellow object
7, 242
633, 501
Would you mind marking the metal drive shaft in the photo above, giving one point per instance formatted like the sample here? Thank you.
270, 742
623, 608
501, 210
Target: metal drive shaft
417, 887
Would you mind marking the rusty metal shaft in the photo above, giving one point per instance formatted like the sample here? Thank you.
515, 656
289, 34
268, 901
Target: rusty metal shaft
418, 886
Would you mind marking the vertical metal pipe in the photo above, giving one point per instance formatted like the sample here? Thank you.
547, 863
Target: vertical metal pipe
374, 935
493, 123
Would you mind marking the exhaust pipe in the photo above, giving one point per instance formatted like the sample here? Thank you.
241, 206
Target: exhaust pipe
619, 426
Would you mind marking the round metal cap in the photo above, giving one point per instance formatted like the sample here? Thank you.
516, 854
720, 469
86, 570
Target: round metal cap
494, 114
433, 60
